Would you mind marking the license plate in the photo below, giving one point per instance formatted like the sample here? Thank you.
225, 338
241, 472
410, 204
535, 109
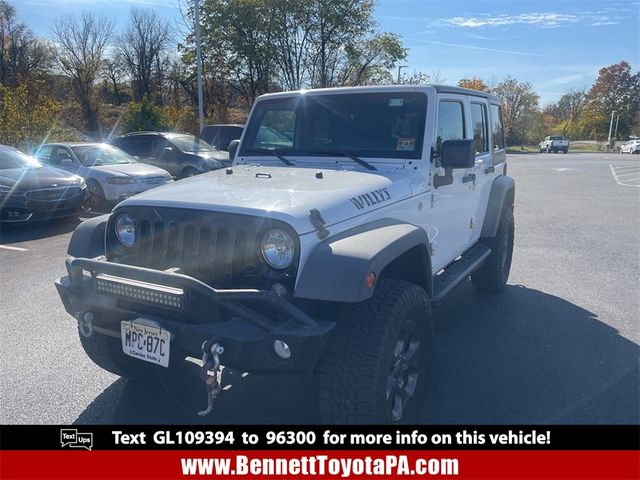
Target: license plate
146, 343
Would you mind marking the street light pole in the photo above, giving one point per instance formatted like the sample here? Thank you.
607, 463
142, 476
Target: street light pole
610, 128
199, 63
400, 67
615, 135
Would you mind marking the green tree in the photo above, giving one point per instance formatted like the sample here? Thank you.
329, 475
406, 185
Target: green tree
145, 115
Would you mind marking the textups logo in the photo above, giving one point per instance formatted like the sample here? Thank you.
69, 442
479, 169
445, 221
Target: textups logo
73, 439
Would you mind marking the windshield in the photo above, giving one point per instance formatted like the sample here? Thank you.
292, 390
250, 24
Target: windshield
387, 125
99, 155
11, 158
189, 143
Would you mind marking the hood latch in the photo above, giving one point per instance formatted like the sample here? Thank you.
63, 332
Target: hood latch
318, 222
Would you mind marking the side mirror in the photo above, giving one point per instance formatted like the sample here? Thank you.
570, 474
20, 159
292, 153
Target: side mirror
66, 162
233, 148
458, 154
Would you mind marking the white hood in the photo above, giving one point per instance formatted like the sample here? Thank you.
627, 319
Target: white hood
132, 169
286, 194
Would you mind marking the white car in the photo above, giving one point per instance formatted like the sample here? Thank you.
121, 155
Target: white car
632, 146
111, 174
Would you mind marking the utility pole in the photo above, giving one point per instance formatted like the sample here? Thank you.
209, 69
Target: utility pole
610, 128
400, 67
615, 135
199, 63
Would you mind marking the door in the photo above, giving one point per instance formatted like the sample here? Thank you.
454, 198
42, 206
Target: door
482, 173
451, 205
165, 155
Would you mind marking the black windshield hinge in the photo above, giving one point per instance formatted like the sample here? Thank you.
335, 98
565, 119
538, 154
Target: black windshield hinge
318, 222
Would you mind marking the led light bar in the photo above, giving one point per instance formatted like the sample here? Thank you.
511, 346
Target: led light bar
153, 293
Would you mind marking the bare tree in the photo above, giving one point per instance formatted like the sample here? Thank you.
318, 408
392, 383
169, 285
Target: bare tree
22, 54
142, 47
112, 71
81, 43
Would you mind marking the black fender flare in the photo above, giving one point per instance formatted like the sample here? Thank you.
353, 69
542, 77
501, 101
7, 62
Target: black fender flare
88, 239
503, 190
336, 268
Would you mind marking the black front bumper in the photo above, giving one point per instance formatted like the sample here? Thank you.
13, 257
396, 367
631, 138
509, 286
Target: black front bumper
19, 209
246, 322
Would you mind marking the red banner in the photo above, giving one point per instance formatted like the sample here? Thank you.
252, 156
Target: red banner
156, 465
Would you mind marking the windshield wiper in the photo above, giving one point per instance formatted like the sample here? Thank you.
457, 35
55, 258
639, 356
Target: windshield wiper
271, 152
351, 155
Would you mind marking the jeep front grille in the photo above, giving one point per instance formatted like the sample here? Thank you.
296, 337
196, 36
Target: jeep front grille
211, 253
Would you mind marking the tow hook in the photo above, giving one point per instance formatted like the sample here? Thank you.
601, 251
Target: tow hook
85, 324
211, 373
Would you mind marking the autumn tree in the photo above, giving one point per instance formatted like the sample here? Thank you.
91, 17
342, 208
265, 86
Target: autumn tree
520, 109
26, 114
616, 89
564, 115
81, 43
474, 83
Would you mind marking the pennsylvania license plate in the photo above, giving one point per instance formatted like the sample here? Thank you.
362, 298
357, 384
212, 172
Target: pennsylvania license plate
146, 343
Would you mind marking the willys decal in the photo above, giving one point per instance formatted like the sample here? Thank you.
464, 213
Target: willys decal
371, 198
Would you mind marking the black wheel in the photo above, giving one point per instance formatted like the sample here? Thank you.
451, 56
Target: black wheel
106, 352
376, 365
565, 150
492, 276
96, 194
189, 172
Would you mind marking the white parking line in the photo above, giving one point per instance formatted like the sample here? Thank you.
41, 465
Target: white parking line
619, 181
17, 249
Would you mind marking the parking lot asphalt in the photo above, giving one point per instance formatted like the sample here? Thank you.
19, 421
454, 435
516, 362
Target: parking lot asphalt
560, 345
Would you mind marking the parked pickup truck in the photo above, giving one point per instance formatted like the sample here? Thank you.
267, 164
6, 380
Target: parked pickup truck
554, 143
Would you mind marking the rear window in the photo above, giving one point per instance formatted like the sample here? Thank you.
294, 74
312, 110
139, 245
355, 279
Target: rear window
497, 128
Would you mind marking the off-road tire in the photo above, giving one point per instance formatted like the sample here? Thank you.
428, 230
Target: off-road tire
492, 276
106, 352
355, 371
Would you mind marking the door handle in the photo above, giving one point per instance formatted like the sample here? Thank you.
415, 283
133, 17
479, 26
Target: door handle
471, 177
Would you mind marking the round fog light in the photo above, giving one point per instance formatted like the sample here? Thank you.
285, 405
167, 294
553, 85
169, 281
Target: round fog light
282, 349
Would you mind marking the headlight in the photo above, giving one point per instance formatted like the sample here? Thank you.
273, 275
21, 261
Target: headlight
120, 180
126, 229
278, 248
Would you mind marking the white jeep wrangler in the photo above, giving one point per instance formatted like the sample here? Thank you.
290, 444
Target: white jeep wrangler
347, 212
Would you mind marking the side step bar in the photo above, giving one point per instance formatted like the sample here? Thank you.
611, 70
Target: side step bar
451, 276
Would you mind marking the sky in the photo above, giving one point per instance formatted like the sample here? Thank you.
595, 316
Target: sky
556, 45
